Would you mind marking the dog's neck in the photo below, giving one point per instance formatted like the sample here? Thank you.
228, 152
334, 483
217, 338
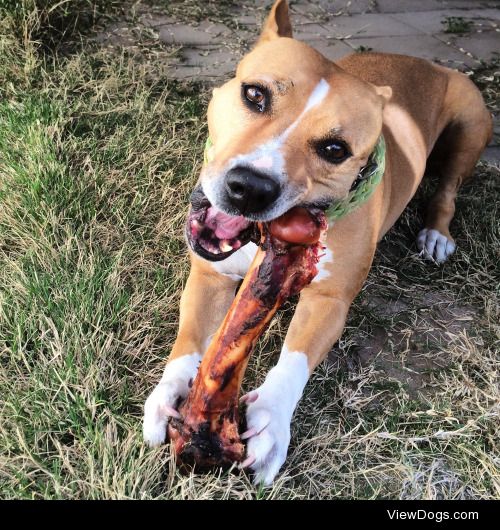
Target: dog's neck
369, 177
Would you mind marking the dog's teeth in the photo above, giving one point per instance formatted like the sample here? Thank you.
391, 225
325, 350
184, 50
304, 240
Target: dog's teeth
225, 246
196, 227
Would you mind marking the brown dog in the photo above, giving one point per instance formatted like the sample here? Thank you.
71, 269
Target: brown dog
295, 128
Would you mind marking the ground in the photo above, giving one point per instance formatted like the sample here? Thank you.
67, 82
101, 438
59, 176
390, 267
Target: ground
101, 137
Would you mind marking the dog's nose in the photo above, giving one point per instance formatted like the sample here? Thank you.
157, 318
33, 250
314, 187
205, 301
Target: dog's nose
250, 192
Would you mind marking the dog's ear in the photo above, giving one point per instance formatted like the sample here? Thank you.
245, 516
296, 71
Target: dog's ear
385, 92
277, 24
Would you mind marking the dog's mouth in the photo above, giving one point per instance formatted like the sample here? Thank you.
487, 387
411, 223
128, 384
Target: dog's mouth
213, 234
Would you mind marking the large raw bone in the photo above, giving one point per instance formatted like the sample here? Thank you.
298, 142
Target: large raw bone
207, 434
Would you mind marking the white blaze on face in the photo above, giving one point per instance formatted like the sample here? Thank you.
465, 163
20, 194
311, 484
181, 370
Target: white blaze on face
317, 96
268, 155
266, 162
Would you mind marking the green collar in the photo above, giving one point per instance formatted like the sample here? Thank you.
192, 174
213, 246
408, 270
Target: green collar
207, 155
367, 180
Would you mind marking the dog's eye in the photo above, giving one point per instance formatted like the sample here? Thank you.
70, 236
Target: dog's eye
334, 151
256, 96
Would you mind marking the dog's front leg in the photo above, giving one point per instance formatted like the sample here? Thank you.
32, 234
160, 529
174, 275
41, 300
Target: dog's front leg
204, 303
317, 324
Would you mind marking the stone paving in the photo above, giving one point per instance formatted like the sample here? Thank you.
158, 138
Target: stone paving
210, 49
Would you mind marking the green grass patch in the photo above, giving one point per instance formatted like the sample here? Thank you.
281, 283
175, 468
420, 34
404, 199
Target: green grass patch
457, 25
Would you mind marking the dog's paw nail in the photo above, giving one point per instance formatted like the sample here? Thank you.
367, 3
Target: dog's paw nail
268, 435
171, 412
248, 434
247, 462
160, 405
434, 246
250, 397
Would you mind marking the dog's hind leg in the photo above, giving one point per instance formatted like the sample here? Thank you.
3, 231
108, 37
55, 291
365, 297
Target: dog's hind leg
453, 158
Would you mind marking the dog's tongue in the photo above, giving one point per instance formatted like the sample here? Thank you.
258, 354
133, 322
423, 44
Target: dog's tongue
225, 226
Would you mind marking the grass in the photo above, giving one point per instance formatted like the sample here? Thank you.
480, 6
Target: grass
458, 25
98, 156
194, 11
361, 49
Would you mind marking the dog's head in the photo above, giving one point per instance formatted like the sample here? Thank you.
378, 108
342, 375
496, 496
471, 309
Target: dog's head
291, 128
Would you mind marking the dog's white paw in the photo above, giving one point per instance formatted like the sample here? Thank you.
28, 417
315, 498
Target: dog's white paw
269, 413
268, 427
434, 246
160, 405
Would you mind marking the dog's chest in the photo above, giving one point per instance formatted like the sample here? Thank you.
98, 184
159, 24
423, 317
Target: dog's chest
237, 265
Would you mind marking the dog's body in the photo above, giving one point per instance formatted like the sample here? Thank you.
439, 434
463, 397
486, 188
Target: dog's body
298, 108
